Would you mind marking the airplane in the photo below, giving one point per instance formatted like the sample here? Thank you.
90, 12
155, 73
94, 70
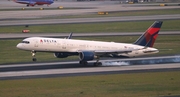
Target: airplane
90, 50
34, 2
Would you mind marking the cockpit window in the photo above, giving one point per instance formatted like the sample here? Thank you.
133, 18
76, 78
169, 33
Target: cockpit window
27, 42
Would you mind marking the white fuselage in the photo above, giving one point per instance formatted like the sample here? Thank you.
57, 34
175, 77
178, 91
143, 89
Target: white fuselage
71, 45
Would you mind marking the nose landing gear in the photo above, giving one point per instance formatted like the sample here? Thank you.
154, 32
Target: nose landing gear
34, 56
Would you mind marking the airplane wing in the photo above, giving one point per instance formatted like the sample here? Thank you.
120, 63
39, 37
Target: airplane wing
105, 52
70, 35
26, 2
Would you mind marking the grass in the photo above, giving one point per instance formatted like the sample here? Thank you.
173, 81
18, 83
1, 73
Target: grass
168, 25
150, 84
167, 44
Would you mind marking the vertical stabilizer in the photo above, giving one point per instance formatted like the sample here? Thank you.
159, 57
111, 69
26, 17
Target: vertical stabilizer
148, 38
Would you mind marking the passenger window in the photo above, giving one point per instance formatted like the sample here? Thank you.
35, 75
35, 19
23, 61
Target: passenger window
27, 42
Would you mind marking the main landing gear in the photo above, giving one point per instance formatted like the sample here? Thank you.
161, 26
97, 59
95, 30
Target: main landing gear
97, 63
34, 56
83, 62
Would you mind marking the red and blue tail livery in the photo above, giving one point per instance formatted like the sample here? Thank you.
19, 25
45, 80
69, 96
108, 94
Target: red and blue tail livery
149, 37
34, 2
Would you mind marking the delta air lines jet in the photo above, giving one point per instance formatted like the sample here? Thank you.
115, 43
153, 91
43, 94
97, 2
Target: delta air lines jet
90, 50
34, 2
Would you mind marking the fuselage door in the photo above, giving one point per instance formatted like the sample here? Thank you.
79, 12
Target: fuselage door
63, 44
35, 43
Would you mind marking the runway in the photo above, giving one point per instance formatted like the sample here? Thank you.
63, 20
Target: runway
86, 71
114, 66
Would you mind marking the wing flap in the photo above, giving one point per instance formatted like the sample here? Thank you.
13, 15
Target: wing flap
107, 52
103, 52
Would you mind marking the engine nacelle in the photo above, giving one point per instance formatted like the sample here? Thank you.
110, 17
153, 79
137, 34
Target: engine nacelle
61, 55
86, 56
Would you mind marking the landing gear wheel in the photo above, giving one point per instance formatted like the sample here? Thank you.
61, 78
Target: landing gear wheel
34, 59
34, 55
83, 62
97, 64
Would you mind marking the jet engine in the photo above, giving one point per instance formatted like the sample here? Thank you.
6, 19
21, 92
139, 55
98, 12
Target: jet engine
61, 55
86, 56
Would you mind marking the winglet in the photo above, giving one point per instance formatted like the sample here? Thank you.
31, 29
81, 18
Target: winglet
70, 35
148, 38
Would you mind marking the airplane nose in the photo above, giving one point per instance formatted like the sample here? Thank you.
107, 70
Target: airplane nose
19, 46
